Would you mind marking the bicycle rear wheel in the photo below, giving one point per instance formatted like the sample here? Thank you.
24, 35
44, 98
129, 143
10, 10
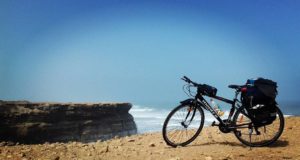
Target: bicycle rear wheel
263, 136
183, 125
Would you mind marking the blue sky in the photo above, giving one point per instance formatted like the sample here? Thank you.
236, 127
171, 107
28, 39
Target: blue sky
136, 51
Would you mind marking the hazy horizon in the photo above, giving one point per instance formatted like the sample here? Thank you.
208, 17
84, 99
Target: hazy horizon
137, 51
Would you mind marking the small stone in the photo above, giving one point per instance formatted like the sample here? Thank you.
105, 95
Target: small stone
286, 157
106, 149
84, 145
99, 141
56, 158
2, 144
131, 140
58, 147
22, 154
27, 150
208, 158
9, 143
229, 156
151, 145
120, 148
269, 156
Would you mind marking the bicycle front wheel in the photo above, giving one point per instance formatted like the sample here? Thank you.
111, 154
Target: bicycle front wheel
183, 125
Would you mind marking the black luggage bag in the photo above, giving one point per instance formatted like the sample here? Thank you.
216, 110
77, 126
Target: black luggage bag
259, 100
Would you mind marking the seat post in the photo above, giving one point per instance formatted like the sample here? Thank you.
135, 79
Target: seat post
236, 94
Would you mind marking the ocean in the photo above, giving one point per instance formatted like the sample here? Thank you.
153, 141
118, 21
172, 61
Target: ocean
151, 119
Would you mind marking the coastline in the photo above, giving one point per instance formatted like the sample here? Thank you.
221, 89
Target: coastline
39, 122
210, 144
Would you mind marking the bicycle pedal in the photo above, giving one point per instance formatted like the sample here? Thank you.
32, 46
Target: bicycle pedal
214, 124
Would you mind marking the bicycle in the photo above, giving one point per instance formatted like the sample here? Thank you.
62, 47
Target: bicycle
185, 122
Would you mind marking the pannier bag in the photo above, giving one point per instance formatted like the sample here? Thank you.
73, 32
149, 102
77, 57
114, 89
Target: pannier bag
259, 91
207, 90
259, 100
262, 114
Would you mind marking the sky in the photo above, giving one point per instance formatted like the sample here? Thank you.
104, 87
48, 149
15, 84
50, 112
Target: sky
137, 51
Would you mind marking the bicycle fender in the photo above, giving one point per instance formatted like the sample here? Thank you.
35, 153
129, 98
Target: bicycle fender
188, 101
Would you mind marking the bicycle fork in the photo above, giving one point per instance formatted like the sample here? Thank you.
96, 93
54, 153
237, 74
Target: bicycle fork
190, 109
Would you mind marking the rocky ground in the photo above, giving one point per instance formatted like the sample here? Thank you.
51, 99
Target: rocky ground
211, 144
39, 122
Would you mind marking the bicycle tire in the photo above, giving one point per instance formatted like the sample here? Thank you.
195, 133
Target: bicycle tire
172, 114
263, 142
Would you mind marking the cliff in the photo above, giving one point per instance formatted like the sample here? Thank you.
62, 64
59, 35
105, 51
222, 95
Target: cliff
26, 122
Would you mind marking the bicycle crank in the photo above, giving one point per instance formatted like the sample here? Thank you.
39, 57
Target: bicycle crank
225, 127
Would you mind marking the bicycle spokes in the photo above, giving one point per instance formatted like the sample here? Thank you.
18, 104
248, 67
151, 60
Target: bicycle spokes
183, 125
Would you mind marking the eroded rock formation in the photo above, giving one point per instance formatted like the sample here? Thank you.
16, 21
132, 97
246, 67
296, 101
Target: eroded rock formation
26, 122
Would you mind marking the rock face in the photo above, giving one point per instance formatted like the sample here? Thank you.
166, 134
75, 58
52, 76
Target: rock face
26, 122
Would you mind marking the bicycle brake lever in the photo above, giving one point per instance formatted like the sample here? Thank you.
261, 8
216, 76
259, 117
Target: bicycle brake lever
185, 79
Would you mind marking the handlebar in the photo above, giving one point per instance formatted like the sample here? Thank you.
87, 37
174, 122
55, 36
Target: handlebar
186, 79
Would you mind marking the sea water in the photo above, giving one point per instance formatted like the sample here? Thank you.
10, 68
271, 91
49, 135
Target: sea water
151, 119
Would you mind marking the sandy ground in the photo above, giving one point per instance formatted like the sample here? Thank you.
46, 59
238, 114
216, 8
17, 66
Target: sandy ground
210, 144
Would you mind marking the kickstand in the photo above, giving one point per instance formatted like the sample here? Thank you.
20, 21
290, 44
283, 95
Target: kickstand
250, 135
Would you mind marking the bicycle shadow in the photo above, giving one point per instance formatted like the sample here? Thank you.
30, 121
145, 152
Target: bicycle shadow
219, 143
277, 144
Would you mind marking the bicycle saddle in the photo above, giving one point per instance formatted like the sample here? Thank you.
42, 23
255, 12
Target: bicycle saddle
234, 86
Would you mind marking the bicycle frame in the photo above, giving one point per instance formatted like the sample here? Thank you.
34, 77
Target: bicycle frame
199, 101
199, 98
